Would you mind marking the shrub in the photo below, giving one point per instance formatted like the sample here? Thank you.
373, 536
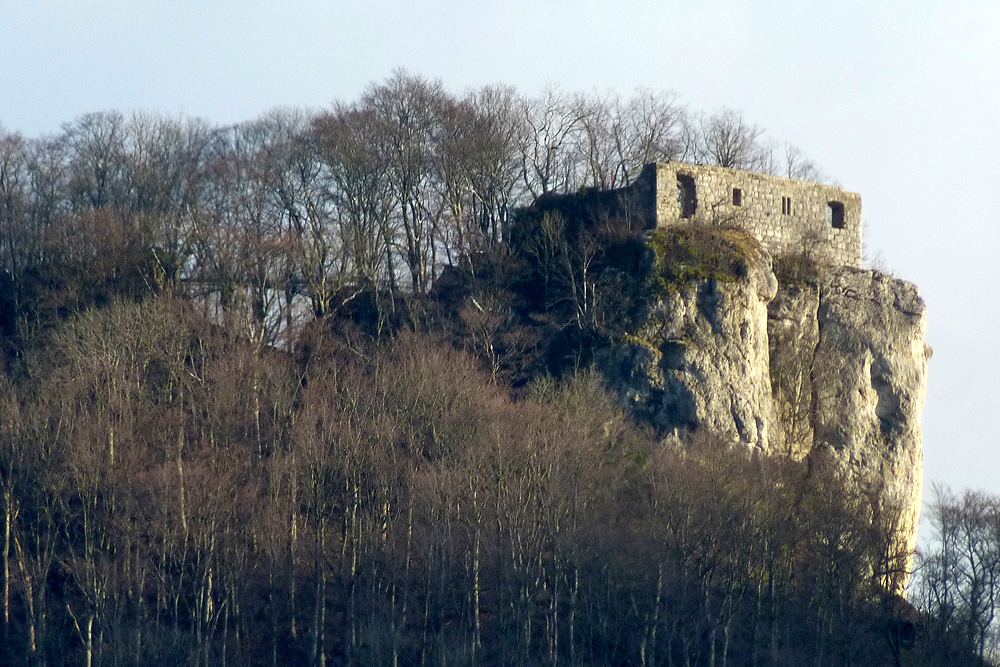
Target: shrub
698, 251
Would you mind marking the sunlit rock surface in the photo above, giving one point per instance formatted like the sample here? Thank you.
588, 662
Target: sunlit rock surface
831, 367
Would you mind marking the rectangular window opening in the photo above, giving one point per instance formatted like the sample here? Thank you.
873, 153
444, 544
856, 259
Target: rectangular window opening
835, 214
786, 206
687, 195
737, 197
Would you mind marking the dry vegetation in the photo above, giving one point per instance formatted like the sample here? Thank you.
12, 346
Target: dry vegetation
300, 391
175, 494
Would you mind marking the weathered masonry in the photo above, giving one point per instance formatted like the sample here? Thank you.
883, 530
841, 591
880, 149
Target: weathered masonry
785, 215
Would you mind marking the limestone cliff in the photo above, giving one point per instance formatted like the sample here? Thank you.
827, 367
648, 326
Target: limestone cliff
700, 359
832, 366
869, 381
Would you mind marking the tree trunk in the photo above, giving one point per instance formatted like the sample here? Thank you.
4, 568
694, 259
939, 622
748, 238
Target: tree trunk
317, 654
8, 519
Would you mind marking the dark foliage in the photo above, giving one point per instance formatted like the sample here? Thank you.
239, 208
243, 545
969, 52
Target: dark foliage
176, 494
305, 391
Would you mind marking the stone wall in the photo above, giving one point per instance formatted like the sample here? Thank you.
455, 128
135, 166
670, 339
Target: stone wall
785, 215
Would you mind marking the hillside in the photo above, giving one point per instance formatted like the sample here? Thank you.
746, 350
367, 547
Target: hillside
286, 393
176, 495
175, 491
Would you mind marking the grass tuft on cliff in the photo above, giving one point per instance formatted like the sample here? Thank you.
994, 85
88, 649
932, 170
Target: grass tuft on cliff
702, 252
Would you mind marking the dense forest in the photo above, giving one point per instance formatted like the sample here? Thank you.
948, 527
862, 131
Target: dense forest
287, 216
309, 390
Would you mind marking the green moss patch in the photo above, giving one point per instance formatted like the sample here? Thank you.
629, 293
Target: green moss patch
702, 252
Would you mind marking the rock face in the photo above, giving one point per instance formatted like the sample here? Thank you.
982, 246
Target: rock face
701, 358
833, 367
870, 381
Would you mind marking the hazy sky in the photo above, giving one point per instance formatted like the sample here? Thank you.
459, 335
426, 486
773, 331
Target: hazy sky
896, 100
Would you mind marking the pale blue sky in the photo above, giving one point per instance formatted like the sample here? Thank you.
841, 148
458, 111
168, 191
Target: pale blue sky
896, 100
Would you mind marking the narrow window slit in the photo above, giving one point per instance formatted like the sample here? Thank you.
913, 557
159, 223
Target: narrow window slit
786, 206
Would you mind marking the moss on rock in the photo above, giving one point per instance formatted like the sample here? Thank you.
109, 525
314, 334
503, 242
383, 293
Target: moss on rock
701, 252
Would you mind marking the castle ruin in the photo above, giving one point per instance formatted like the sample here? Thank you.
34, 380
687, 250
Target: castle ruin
785, 215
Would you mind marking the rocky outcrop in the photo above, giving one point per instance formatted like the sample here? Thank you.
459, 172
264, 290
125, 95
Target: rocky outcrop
700, 361
869, 382
831, 367
849, 372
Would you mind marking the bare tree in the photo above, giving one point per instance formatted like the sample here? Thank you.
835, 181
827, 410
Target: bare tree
960, 580
476, 162
355, 179
18, 240
96, 164
494, 167
800, 167
407, 109
553, 124
165, 164
726, 139
622, 135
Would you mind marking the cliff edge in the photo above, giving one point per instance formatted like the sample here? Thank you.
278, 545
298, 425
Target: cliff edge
824, 364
